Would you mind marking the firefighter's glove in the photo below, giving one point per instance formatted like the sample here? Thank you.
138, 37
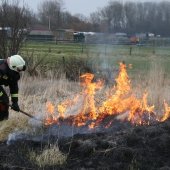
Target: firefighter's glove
15, 107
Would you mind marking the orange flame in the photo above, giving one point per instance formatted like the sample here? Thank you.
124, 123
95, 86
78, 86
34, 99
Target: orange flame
121, 103
166, 115
117, 103
88, 110
50, 119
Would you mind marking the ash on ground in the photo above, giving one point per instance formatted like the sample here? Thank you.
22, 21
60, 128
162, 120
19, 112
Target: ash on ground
123, 147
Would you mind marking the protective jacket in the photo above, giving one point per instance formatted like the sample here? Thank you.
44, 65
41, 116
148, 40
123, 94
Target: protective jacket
9, 78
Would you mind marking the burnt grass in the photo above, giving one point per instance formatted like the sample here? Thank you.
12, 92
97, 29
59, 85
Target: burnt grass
129, 148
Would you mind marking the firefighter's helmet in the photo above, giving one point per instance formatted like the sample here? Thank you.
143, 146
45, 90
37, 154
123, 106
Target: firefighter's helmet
16, 63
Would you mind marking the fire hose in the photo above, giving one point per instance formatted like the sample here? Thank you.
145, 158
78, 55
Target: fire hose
27, 114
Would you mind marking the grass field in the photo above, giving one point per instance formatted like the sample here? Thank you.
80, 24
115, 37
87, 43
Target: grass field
150, 64
150, 72
104, 56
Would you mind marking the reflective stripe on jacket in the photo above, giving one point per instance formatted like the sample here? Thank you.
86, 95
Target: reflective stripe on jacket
9, 78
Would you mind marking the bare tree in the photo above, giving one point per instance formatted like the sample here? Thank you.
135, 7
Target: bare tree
50, 13
13, 23
95, 20
115, 13
133, 17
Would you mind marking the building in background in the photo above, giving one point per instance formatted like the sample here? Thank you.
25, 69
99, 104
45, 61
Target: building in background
64, 34
40, 33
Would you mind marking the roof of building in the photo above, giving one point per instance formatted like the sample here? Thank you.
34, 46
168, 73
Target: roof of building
41, 32
64, 30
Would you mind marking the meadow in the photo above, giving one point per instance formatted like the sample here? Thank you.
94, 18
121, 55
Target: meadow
139, 56
48, 79
149, 65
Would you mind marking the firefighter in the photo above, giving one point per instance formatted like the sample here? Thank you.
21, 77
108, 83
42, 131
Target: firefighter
10, 69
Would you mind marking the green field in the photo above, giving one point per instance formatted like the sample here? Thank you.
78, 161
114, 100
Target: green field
103, 56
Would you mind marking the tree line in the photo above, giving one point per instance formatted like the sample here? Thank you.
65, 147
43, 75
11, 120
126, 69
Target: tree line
128, 17
134, 17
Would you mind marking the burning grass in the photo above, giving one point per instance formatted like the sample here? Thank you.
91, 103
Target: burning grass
84, 107
121, 101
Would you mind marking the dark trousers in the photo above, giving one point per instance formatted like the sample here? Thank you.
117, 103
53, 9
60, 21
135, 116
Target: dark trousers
4, 104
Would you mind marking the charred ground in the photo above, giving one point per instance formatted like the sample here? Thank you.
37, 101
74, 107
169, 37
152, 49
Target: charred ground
125, 148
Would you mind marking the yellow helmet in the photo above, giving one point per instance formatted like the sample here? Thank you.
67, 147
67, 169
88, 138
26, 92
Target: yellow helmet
16, 63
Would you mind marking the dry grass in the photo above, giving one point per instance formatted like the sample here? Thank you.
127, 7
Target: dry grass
49, 157
35, 92
156, 83
16, 121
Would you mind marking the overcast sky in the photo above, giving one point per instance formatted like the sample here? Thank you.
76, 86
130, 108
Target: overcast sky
84, 7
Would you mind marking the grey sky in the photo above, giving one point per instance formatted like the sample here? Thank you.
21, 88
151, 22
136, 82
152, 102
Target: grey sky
84, 7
